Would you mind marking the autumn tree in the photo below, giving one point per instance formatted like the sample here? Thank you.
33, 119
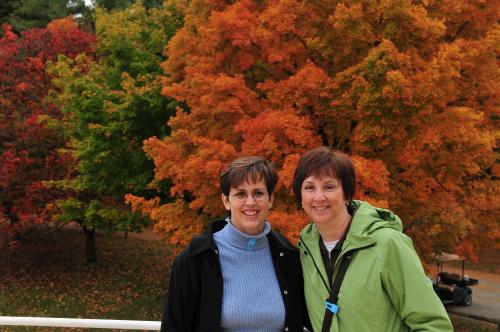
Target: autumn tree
410, 89
110, 106
28, 149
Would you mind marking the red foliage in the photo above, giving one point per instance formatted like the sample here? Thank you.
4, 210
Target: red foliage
28, 149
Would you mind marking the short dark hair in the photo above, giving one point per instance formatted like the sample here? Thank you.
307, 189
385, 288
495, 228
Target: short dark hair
322, 162
246, 169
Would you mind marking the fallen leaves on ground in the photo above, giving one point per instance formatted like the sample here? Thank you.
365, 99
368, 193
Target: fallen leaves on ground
47, 276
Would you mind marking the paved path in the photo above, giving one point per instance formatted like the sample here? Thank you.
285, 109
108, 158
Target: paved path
485, 296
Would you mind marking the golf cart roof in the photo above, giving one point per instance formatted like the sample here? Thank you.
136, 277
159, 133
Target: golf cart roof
445, 257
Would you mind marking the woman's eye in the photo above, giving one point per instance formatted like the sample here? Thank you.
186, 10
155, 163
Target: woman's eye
308, 188
240, 195
330, 188
258, 194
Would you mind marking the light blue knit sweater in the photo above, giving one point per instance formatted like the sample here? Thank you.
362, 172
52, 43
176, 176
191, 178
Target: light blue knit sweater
251, 299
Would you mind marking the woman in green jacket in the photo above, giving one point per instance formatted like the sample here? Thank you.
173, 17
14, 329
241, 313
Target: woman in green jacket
384, 288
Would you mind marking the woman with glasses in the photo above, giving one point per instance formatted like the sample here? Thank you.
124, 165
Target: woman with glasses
238, 275
384, 287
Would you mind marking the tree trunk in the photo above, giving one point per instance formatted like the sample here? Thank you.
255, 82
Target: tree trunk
17, 234
90, 252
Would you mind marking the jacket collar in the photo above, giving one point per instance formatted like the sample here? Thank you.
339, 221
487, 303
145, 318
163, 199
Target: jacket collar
366, 220
279, 242
356, 236
205, 240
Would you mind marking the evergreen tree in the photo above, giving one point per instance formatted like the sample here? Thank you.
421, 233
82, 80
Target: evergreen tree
37, 13
121, 4
28, 14
6, 8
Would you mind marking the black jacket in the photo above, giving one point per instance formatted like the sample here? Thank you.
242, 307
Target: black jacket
194, 299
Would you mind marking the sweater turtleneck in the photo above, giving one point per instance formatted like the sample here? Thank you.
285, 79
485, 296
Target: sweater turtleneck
236, 238
251, 298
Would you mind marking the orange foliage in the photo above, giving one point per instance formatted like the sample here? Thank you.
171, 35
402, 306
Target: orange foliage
63, 24
409, 89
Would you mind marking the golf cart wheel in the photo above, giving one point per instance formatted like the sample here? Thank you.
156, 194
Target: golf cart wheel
467, 300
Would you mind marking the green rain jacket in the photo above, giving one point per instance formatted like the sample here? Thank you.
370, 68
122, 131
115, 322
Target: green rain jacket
385, 288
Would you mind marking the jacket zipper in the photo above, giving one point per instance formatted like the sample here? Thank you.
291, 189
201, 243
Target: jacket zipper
315, 266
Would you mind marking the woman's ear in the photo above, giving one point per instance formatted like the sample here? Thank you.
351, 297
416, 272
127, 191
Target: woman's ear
271, 200
226, 202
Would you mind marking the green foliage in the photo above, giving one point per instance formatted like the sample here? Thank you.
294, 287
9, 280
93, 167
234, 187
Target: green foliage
6, 8
27, 14
112, 4
122, 4
110, 106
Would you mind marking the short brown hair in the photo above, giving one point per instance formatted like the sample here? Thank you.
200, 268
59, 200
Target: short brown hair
246, 169
322, 162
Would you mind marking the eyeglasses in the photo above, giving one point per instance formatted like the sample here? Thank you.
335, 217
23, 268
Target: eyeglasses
241, 196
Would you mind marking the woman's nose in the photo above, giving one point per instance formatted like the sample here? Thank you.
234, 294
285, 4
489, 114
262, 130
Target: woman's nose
319, 195
250, 200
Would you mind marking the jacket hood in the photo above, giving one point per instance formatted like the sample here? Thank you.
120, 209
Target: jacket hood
366, 220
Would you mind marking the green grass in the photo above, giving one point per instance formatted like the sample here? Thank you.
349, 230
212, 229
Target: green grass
47, 276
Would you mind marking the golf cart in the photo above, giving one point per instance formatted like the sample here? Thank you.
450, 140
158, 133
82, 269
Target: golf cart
452, 287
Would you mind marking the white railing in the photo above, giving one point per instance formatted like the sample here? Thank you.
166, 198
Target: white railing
85, 323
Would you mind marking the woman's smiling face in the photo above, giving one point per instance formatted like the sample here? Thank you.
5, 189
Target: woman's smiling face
323, 198
249, 204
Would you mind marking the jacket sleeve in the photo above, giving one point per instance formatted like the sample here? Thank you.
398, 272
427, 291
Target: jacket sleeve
181, 305
409, 289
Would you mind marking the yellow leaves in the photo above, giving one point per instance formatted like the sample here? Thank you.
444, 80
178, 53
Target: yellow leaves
408, 24
398, 87
351, 22
114, 24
